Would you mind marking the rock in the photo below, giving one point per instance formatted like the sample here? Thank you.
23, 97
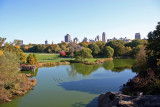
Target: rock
7, 100
111, 99
29, 75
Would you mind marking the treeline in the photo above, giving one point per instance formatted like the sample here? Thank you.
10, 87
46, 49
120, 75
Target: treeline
98, 49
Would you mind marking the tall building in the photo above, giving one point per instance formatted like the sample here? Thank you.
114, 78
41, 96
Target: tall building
46, 42
67, 38
75, 40
85, 39
137, 36
104, 38
97, 38
20, 42
91, 41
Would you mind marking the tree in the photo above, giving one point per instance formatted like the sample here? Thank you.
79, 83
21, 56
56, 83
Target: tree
141, 59
84, 44
95, 49
2, 40
136, 49
153, 45
128, 51
17, 46
35, 59
108, 52
15, 50
118, 46
1, 52
100, 44
84, 53
30, 59
135, 43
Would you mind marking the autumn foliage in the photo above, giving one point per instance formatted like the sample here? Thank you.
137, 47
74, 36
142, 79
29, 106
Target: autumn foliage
62, 53
1, 53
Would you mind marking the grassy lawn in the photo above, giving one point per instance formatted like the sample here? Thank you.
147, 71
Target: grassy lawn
54, 57
50, 57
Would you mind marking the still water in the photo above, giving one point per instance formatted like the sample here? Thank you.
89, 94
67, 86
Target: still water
75, 85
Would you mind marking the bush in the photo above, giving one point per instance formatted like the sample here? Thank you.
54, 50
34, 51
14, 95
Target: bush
11, 81
62, 53
32, 59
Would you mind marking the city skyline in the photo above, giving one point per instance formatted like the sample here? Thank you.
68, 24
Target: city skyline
38, 20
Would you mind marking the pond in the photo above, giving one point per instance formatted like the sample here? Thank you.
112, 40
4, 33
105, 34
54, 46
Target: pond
75, 85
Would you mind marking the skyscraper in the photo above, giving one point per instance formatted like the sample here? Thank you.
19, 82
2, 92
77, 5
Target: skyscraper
75, 40
85, 39
137, 36
104, 38
67, 38
46, 42
97, 38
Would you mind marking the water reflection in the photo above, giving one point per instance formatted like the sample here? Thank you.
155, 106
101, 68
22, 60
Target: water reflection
117, 65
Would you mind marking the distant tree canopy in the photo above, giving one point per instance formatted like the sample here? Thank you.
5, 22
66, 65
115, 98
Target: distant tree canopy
95, 49
83, 54
118, 46
135, 43
84, 44
108, 52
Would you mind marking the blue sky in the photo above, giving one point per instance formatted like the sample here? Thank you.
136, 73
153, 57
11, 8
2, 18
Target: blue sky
35, 21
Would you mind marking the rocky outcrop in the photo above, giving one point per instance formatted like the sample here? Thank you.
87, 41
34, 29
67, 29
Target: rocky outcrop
111, 99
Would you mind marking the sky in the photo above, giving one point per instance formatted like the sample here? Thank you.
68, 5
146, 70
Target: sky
35, 21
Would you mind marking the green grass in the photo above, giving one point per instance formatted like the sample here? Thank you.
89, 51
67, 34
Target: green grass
54, 57
50, 57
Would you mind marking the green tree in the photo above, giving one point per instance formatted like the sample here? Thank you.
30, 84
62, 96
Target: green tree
95, 49
128, 51
136, 49
153, 45
135, 43
83, 54
30, 59
100, 44
141, 59
108, 52
35, 59
118, 46
84, 44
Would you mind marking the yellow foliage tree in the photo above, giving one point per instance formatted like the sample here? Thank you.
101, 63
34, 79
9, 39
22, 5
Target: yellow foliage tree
17, 46
1, 53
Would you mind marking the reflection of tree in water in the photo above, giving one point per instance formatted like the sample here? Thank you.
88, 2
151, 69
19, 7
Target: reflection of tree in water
82, 69
121, 64
117, 65
108, 65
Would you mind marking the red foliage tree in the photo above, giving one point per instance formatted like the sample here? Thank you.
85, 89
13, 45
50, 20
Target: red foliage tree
62, 53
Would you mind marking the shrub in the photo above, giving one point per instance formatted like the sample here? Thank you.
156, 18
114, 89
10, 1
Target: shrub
32, 59
62, 53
